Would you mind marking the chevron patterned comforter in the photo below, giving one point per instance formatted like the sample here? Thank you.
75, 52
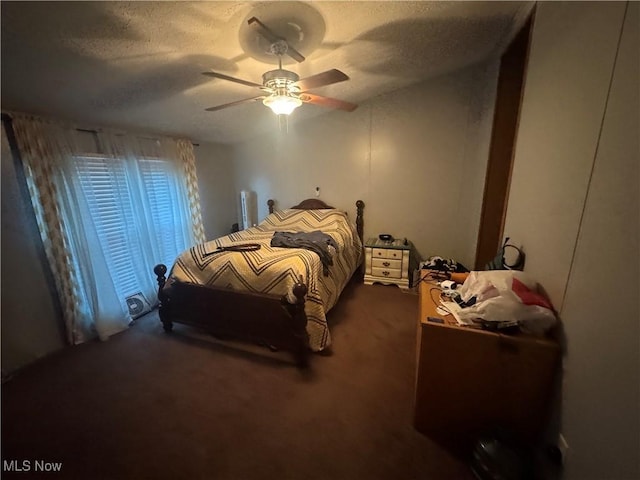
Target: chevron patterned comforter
274, 270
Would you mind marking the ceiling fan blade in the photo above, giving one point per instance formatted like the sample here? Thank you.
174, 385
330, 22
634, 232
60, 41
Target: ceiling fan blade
272, 37
321, 79
232, 79
233, 104
328, 102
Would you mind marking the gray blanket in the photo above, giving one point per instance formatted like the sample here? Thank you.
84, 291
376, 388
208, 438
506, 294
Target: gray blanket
315, 241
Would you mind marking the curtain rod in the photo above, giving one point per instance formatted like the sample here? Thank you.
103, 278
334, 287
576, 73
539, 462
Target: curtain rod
8, 116
99, 130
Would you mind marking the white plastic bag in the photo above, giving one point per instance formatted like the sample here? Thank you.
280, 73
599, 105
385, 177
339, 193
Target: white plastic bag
506, 296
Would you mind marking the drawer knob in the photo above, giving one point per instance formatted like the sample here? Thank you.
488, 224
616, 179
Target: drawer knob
386, 264
385, 273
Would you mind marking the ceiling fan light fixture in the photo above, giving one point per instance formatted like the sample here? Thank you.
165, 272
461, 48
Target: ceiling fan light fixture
282, 104
282, 90
284, 97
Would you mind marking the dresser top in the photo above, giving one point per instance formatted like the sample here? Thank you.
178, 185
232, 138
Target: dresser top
397, 244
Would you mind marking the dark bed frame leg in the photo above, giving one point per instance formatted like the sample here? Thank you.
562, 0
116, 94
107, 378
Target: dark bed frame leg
299, 318
163, 311
360, 228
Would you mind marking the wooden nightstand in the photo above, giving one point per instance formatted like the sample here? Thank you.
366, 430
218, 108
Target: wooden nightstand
387, 262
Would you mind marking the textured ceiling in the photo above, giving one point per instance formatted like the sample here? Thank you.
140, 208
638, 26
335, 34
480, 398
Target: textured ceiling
138, 65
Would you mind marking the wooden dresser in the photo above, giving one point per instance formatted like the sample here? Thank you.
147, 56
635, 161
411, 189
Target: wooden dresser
470, 380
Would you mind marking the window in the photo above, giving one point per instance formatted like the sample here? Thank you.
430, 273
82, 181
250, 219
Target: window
123, 224
160, 185
109, 206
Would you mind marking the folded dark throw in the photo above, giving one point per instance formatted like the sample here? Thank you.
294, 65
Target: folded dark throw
315, 241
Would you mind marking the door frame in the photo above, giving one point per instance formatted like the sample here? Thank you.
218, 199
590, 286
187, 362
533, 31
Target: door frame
510, 89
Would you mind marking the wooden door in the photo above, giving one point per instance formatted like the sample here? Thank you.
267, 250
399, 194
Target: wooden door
505, 125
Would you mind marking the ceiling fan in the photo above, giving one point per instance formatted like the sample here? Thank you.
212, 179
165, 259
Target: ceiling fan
283, 90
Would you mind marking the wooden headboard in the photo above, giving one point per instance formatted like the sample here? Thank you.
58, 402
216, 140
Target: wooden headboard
317, 204
311, 204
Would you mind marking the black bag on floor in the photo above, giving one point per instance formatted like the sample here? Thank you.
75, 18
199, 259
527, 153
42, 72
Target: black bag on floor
496, 456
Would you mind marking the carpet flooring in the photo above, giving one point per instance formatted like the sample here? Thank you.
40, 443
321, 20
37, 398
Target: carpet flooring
147, 405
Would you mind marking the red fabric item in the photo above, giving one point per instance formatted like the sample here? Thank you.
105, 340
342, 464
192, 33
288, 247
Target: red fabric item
529, 297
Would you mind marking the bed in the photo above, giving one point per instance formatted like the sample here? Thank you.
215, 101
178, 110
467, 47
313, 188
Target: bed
241, 287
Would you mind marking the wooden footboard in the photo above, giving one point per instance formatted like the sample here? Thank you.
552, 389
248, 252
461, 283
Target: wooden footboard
245, 316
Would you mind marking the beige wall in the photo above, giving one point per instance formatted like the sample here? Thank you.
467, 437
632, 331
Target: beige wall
416, 157
476, 156
31, 319
214, 167
565, 93
574, 207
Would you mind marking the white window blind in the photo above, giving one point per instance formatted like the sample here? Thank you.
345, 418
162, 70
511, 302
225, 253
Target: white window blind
107, 187
161, 189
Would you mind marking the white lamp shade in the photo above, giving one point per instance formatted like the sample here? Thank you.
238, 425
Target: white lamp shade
282, 104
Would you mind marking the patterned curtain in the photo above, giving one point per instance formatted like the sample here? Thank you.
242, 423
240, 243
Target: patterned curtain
88, 274
185, 150
39, 160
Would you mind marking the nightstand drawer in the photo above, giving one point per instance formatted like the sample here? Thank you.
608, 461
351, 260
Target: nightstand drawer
397, 254
386, 263
386, 272
386, 253
379, 252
